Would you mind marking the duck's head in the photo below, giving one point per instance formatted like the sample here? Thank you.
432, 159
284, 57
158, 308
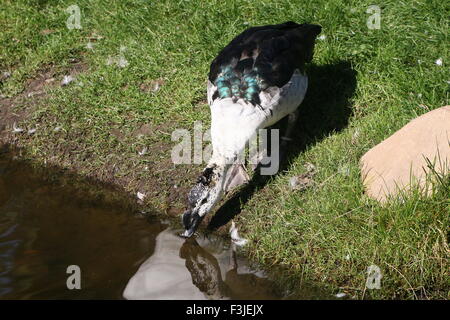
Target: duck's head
207, 191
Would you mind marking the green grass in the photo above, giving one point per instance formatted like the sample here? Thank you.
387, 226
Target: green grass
365, 84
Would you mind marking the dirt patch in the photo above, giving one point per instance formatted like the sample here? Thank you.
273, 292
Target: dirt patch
18, 108
151, 85
144, 130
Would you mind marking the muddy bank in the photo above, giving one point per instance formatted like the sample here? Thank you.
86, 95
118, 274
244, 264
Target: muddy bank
53, 221
23, 126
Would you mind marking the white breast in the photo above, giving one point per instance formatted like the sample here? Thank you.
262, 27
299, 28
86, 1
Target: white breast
233, 124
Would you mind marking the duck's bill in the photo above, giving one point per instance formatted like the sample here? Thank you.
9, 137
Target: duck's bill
191, 221
187, 219
187, 233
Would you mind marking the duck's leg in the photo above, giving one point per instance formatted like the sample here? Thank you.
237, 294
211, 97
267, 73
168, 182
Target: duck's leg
256, 158
286, 138
292, 120
260, 157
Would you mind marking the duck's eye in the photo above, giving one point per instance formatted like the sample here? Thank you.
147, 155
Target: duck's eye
204, 201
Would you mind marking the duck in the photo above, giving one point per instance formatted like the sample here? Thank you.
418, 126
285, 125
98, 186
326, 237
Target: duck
255, 81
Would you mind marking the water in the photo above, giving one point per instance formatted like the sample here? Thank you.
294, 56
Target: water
50, 221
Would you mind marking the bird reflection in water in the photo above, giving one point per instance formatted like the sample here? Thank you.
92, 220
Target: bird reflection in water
205, 268
206, 275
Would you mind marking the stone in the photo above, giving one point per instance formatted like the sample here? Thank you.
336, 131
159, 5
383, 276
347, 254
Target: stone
399, 163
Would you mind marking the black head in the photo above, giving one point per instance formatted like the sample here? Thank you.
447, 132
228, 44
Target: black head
201, 198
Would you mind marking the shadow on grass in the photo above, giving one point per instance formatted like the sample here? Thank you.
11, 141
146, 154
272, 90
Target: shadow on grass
325, 109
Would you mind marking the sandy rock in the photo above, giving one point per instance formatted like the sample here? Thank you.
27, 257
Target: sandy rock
400, 161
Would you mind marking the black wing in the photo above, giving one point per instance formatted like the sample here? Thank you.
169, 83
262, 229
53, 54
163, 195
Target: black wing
262, 57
